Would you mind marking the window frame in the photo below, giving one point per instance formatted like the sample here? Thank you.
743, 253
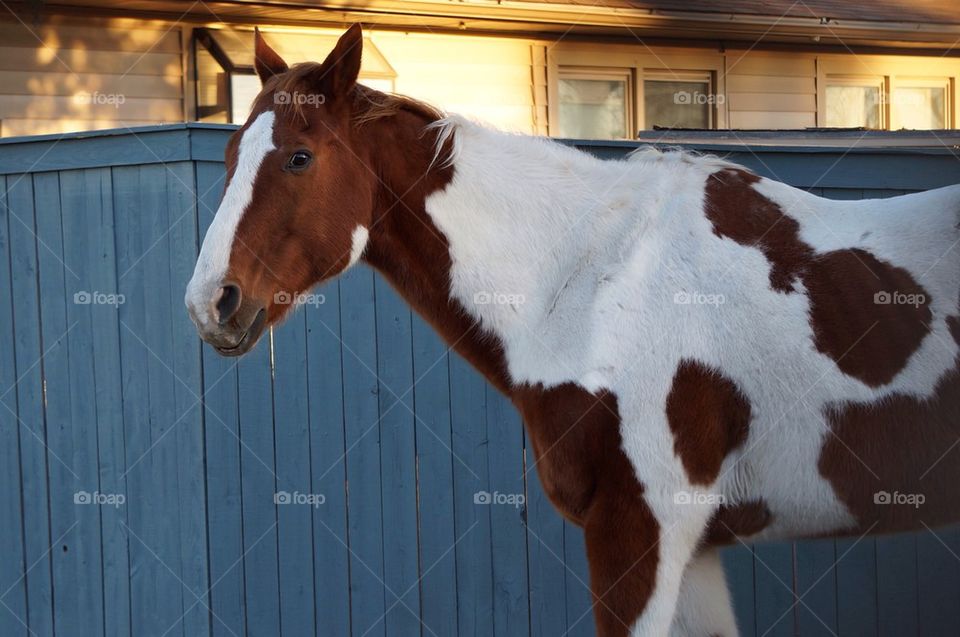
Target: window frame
878, 82
677, 75
918, 81
605, 74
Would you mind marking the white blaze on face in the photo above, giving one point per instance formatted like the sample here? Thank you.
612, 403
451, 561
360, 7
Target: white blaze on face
214, 257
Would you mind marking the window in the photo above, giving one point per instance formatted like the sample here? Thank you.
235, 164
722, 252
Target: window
919, 104
887, 102
595, 104
854, 102
602, 103
677, 100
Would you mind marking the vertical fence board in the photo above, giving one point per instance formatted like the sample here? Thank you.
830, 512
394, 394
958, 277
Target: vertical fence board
579, 602
897, 588
939, 583
27, 255
507, 511
328, 461
398, 457
13, 569
361, 415
738, 565
817, 588
259, 480
295, 519
774, 591
471, 480
547, 572
436, 504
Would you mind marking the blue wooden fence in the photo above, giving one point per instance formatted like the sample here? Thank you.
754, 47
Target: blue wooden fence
328, 483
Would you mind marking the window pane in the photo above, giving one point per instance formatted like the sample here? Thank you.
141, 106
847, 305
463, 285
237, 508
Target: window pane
676, 104
853, 106
593, 109
920, 107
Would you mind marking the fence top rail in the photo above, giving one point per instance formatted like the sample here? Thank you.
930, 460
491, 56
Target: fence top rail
813, 165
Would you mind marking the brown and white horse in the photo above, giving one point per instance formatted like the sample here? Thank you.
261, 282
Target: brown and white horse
699, 354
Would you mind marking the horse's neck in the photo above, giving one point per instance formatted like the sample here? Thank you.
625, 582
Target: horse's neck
515, 226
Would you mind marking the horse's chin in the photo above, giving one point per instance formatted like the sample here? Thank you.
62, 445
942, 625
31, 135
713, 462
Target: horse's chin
249, 339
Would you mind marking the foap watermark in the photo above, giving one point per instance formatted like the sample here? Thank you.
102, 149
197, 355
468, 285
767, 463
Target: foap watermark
698, 98
699, 497
115, 500
698, 298
84, 297
296, 98
899, 298
515, 500
299, 298
97, 98
498, 298
896, 498
310, 499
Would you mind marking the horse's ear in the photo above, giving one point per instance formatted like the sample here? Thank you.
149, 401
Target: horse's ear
266, 61
343, 64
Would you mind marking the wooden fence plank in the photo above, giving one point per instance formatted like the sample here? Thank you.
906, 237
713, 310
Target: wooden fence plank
774, 593
398, 461
31, 341
471, 482
295, 519
13, 569
328, 449
438, 537
817, 587
361, 414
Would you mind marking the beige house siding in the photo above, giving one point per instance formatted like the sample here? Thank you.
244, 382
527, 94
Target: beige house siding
65, 75
102, 73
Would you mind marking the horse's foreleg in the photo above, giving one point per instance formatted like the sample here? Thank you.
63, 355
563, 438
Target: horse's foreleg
704, 608
637, 560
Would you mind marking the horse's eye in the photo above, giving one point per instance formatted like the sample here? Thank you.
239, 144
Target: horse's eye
299, 160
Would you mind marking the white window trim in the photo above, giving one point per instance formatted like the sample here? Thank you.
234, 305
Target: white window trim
676, 75
606, 73
878, 82
899, 81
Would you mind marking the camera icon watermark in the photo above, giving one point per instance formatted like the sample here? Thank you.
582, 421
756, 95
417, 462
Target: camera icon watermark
310, 499
698, 98
96, 98
698, 298
296, 98
916, 500
299, 298
515, 500
896, 297
699, 497
115, 500
84, 297
498, 298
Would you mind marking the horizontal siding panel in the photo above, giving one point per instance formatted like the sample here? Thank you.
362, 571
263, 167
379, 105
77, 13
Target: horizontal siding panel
18, 127
91, 37
68, 84
756, 119
778, 102
62, 60
737, 83
758, 64
132, 108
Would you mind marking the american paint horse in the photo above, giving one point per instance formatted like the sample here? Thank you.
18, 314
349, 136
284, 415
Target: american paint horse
700, 355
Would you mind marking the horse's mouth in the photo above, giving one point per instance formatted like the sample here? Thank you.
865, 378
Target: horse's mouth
249, 338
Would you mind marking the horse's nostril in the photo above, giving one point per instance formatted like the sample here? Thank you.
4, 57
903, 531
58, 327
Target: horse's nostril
228, 303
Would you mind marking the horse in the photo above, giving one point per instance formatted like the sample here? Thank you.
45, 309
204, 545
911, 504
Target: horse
700, 355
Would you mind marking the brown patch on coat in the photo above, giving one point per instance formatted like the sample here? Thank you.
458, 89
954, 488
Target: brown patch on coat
868, 338
577, 449
900, 446
709, 417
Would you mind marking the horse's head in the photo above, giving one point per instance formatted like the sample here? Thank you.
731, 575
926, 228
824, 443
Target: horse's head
298, 201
